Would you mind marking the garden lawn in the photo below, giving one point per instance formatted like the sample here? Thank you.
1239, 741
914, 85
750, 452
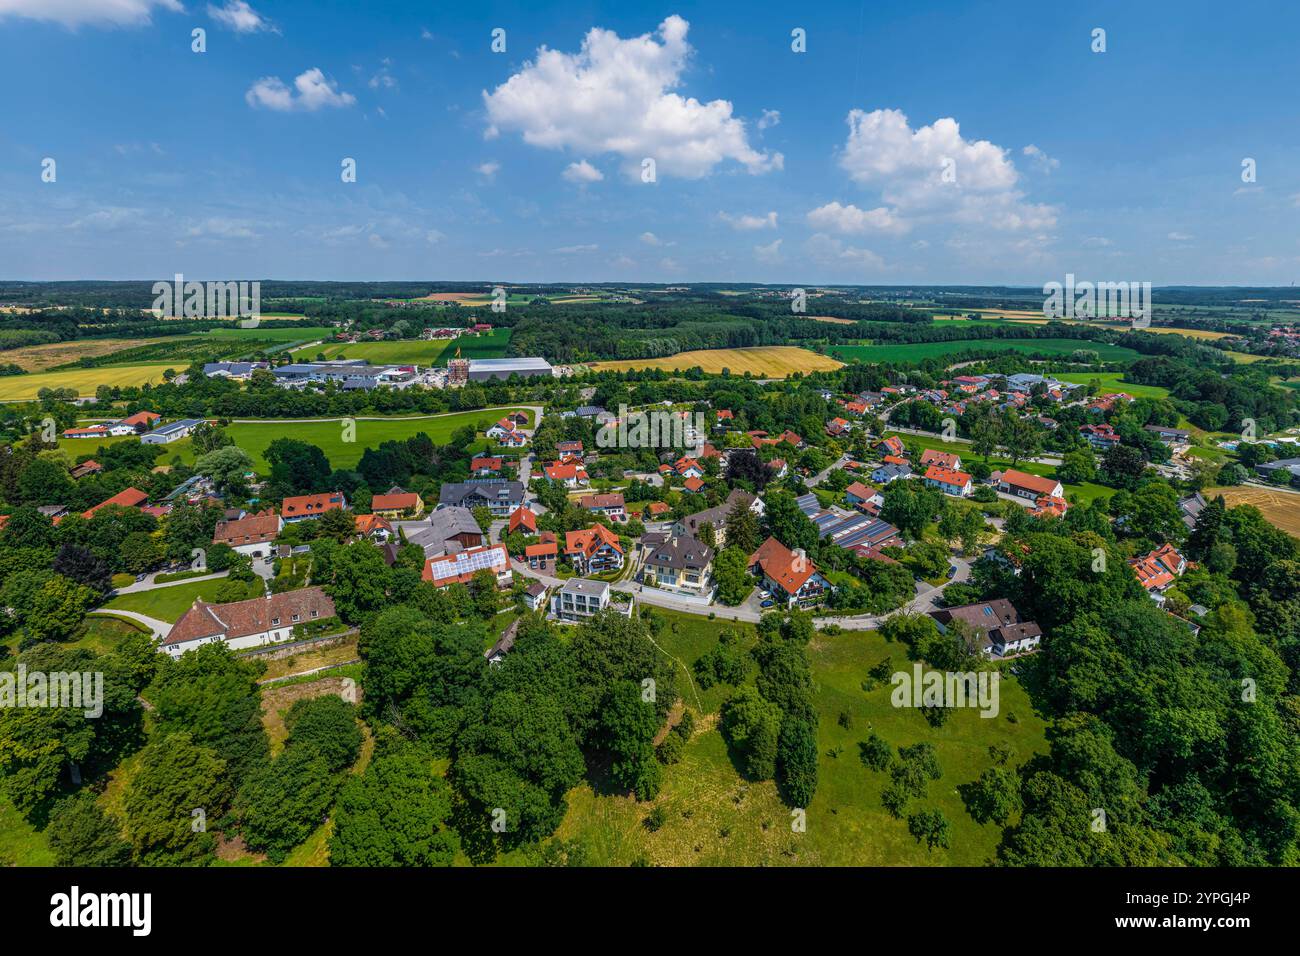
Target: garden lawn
1113, 382
167, 603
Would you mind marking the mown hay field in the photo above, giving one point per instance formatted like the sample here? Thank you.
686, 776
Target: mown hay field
1280, 508
768, 361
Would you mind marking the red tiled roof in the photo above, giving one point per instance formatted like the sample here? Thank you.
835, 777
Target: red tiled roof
522, 517
244, 618
1034, 483
588, 541
400, 502
463, 565
947, 476
251, 529
932, 456
299, 505
128, 498
778, 563
141, 418
607, 500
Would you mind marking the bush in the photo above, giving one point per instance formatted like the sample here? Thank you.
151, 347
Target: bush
875, 753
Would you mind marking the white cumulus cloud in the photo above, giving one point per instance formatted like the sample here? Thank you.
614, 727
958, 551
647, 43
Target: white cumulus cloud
749, 223
616, 96
933, 173
240, 17
311, 91
1041, 159
582, 172
849, 220
73, 13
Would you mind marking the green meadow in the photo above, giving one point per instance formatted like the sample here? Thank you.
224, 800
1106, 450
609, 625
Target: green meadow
715, 817
918, 351
414, 351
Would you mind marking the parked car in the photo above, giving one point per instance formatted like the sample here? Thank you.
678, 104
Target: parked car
952, 569
768, 604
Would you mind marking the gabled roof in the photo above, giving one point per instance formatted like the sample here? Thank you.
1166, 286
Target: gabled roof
395, 502
606, 500
251, 529
932, 456
298, 505
778, 563
947, 476
590, 540
254, 616
522, 517
1035, 483
127, 498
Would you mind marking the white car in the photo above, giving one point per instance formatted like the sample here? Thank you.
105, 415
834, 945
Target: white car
764, 594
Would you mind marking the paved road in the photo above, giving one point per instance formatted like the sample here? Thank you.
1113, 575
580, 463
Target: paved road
160, 628
149, 584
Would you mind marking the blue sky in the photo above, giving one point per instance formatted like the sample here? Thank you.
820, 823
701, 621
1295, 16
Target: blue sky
912, 142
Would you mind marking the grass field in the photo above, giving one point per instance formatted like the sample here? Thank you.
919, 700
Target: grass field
1281, 508
917, 351
1112, 382
769, 361
19, 388
254, 437
717, 818
414, 351
168, 603
273, 332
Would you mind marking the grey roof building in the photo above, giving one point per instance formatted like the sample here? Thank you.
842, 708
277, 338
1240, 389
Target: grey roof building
501, 496
449, 530
483, 369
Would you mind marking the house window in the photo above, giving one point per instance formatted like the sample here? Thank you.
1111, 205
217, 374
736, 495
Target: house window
296, 617
275, 622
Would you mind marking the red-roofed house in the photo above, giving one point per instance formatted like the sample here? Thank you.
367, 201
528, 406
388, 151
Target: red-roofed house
251, 623
127, 498
893, 445
790, 575
374, 527
571, 474
1024, 485
950, 482
142, 420
1159, 569
397, 504
302, 507
609, 504
485, 467
593, 550
251, 535
932, 456
693, 485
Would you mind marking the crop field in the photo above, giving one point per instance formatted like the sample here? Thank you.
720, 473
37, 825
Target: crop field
917, 351
768, 361
715, 817
831, 319
38, 358
1280, 508
414, 351
20, 388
